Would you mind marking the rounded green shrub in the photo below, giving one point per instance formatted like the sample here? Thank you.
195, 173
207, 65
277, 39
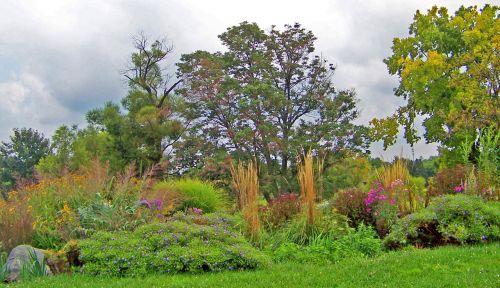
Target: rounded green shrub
456, 219
194, 193
185, 243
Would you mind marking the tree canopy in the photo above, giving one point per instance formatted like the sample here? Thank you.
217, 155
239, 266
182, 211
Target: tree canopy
449, 73
267, 96
19, 156
149, 123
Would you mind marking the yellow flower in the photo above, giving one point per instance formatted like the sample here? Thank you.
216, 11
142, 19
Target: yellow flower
12, 194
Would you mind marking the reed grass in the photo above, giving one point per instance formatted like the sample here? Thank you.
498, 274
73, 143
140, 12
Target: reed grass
246, 183
389, 176
305, 175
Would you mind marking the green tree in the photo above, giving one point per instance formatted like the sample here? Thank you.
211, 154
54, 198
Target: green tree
346, 172
74, 149
149, 125
19, 156
61, 146
449, 74
267, 96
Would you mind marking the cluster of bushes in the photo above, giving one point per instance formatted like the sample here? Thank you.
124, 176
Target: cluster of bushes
74, 206
133, 226
457, 219
185, 243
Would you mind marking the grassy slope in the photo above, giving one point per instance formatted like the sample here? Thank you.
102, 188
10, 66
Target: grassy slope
477, 266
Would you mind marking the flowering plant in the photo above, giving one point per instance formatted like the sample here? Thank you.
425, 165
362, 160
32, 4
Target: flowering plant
383, 210
459, 188
280, 210
155, 206
194, 211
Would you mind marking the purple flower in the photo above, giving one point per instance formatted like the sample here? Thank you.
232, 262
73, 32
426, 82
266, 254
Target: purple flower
158, 204
145, 203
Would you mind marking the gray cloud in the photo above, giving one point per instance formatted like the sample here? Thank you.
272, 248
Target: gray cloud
58, 59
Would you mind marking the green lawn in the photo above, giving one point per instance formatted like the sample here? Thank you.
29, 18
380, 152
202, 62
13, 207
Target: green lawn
473, 266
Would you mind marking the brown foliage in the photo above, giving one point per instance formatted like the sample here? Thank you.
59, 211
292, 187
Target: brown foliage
16, 222
351, 203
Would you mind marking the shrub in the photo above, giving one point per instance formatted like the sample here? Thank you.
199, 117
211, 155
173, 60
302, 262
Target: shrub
382, 210
364, 241
325, 226
190, 193
280, 210
110, 216
350, 203
185, 243
361, 243
446, 180
55, 210
455, 219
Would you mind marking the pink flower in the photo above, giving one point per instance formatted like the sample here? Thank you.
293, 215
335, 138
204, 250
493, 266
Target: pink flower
382, 197
459, 188
397, 182
196, 211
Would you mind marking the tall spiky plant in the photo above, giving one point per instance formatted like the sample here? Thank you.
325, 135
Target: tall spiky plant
390, 175
320, 180
305, 175
246, 183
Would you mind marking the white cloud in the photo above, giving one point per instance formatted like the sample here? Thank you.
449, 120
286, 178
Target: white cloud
28, 103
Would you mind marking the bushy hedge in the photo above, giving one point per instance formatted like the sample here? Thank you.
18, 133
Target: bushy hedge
361, 243
448, 219
185, 243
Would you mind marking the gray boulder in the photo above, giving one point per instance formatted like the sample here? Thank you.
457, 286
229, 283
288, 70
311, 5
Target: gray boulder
23, 256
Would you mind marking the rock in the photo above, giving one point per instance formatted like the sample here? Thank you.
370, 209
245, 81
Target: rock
22, 256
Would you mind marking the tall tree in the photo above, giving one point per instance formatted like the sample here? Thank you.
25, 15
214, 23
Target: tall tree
449, 74
267, 96
149, 125
19, 156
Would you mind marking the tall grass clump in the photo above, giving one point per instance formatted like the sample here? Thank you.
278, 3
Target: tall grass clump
489, 156
36, 266
190, 193
489, 163
397, 181
246, 183
16, 220
305, 175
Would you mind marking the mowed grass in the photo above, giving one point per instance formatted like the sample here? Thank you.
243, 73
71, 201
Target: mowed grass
470, 266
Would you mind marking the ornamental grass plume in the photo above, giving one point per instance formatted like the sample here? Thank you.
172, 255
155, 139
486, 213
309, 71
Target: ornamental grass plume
395, 180
246, 183
305, 174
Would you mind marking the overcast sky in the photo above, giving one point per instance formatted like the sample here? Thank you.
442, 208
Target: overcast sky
58, 59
